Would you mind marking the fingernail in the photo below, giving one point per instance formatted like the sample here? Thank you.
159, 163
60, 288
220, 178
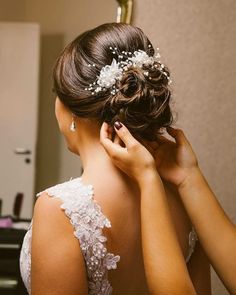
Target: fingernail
118, 125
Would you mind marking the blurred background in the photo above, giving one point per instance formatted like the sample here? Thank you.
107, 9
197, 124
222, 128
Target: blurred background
197, 42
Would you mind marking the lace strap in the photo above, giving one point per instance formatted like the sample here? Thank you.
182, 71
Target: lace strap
88, 221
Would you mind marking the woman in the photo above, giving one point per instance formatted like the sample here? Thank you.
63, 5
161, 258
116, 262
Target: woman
106, 74
176, 162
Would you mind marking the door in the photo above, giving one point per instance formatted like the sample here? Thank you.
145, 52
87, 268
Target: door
19, 75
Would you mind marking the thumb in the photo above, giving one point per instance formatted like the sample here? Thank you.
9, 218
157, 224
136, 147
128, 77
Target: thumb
110, 147
124, 134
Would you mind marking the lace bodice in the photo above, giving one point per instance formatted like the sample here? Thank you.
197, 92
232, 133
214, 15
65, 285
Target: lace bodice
88, 221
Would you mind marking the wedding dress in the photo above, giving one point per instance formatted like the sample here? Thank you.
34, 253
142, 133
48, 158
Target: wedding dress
88, 221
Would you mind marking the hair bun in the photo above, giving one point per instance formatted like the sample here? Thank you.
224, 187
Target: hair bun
132, 83
142, 102
141, 94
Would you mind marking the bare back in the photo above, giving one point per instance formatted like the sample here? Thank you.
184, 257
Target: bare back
101, 208
120, 202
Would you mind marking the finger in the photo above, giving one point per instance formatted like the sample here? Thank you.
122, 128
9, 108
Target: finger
104, 131
113, 149
124, 134
118, 141
178, 135
110, 132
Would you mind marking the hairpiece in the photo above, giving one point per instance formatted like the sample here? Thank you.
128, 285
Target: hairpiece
109, 74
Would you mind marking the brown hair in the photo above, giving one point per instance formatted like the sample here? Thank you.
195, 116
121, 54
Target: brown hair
142, 103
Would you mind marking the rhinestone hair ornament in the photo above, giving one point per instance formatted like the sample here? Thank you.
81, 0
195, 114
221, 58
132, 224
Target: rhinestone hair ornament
110, 74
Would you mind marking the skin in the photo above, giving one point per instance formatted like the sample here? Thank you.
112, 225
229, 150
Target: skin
54, 247
52, 239
164, 248
177, 163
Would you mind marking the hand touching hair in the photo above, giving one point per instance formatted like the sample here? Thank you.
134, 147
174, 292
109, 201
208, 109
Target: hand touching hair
173, 160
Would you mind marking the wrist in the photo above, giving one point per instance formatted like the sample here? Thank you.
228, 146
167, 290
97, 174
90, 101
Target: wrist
192, 175
148, 178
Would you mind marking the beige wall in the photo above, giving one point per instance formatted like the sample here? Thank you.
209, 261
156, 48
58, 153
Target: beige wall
12, 10
197, 41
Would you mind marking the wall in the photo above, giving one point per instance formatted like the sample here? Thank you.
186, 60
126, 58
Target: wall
60, 22
12, 10
197, 41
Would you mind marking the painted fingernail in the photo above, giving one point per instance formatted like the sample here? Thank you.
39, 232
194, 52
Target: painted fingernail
118, 125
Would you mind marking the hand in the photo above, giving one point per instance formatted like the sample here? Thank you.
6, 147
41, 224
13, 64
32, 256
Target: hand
175, 160
127, 153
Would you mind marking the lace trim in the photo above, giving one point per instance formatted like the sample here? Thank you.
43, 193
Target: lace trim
192, 239
25, 259
88, 221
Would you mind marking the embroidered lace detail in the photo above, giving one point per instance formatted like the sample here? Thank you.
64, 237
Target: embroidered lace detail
88, 221
192, 239
25, 258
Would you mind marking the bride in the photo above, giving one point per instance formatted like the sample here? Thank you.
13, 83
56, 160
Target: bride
85, 234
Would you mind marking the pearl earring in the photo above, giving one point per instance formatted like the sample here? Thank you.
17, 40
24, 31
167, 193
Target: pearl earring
73, 125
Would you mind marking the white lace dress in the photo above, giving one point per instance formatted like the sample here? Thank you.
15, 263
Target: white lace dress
88, 221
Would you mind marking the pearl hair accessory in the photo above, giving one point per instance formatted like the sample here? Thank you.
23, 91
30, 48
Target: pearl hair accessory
109, 74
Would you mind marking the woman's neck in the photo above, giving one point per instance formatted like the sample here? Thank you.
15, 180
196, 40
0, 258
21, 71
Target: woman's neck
95, 161
99, 169
97, 164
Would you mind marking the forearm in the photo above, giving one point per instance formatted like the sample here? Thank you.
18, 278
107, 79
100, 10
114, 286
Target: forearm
216, 232
164, 263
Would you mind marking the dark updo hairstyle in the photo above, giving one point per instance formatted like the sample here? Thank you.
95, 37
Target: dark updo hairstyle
142, 102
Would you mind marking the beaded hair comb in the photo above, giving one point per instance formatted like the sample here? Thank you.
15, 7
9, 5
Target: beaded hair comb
109, 74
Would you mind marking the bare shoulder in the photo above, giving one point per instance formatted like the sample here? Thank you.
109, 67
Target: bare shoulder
57, 261
48, 215
45, 202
